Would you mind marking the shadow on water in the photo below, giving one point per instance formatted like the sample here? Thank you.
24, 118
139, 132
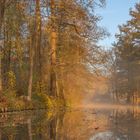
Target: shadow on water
77, 124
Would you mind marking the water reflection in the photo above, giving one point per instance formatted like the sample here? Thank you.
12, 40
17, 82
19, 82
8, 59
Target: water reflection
87, 124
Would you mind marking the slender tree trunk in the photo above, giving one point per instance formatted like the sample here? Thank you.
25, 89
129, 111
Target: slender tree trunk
0, 73
31, 62
53, 84
2, 10
35, 48
53, 43
38, 41
19, 69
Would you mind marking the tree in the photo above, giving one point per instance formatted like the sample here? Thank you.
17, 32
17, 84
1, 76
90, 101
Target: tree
2, 10
127, 56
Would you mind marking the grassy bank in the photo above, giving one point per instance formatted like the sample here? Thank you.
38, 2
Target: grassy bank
9, 102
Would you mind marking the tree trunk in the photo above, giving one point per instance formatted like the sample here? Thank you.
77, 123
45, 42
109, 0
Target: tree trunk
53, 85
53, 43
31, 62
34, 51
2, 10
38, 41
0, 72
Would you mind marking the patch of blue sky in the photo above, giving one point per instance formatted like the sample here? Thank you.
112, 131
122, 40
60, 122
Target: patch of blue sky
115, 13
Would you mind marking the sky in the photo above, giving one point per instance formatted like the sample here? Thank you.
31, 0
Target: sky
115, 13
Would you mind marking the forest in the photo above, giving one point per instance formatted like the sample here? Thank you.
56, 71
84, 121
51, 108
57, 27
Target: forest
50, 56
58, 81
49, 51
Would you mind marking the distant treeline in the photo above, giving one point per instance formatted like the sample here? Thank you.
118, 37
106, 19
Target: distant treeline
125, 78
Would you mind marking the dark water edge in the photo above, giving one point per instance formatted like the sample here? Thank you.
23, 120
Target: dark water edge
75, 124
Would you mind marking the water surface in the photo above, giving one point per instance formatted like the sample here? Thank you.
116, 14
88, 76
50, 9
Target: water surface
77, 124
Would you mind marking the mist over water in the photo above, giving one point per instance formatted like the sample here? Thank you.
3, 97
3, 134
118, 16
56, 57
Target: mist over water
90, 122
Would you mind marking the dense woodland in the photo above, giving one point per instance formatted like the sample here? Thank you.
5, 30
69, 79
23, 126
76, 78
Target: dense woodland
49, 53
125, 60
48, 50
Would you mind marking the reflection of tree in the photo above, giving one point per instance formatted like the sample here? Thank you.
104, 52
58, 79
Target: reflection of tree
47, 126
29, 124
56, 126
125, 124
76, 127
42, 126
73, 125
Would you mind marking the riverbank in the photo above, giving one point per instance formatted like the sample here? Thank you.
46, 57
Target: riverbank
38, 101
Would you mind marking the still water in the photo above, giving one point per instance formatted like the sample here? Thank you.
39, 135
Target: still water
76, 124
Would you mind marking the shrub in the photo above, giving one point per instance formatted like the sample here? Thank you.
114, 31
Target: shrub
19, 104
11, 80
43, 100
